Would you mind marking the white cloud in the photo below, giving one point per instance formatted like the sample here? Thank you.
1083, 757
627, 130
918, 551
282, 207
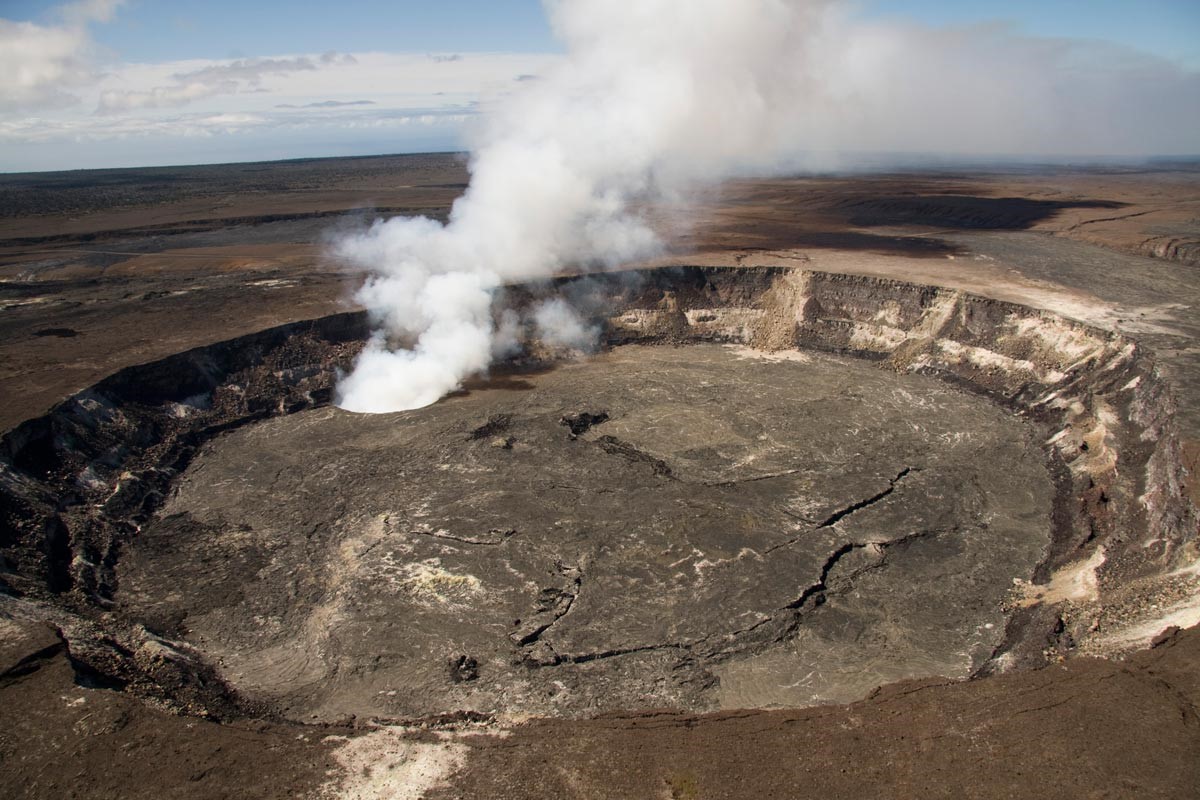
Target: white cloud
202, 124
253, 70
329, 104
161, 96
242, 75
330, 80
274, 107
41, 65
64, 103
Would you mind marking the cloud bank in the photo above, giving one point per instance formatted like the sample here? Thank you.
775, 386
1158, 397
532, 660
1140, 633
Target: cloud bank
847, 86
41, 64
242, 75
254, 109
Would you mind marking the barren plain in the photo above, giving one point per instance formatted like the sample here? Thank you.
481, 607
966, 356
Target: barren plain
880, 485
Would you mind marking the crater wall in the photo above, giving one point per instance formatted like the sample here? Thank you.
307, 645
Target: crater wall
78, 483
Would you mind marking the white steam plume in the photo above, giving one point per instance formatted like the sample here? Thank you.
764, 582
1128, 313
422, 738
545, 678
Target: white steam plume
656, 95
663, 92
559, 325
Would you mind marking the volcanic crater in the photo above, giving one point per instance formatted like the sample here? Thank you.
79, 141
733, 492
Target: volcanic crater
769, 487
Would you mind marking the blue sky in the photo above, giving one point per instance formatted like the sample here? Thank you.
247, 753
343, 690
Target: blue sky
153, 30
157, 81
357, 25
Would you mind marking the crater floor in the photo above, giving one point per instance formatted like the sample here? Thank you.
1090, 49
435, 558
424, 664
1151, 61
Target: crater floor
699, 527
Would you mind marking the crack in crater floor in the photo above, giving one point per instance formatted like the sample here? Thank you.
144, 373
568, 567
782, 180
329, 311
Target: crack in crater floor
628, 565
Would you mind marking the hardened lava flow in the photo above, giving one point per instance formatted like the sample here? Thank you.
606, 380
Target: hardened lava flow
769, 487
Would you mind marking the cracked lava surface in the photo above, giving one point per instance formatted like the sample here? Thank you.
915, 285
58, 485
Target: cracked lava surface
604, 535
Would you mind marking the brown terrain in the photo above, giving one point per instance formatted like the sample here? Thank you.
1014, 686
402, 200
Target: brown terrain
970, 399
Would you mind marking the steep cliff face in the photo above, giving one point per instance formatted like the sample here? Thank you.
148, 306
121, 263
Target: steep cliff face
1170, 248
78, 484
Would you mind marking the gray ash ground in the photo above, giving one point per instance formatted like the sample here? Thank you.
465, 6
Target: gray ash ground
843, 527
